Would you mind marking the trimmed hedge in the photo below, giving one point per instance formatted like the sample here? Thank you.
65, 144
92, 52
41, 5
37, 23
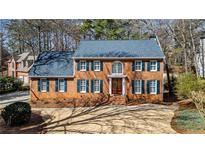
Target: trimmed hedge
16, 114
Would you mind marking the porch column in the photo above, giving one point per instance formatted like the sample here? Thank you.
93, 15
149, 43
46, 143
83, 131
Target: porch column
110, 86
123, 86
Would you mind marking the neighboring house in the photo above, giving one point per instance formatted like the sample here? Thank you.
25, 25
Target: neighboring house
132, 68
19, 65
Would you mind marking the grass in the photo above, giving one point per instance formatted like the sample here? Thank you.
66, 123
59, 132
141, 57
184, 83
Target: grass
189, 119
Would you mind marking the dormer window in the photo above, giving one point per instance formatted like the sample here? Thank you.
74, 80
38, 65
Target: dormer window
117, 68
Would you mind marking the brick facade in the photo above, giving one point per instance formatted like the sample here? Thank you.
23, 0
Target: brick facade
102, 75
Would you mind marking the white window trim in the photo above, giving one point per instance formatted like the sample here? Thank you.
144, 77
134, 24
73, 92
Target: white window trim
99, 86
155, 87
156, 66
41, 84
122, 67
85, 87
140, 87
59, 85
83, 70
136, 67
94, 65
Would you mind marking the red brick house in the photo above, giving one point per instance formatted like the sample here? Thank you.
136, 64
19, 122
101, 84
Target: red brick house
125, 68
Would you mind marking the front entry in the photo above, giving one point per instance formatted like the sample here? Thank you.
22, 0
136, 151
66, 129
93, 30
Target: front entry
117, 86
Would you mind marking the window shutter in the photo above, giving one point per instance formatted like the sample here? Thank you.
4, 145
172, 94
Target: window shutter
78, 66
47, 85
87, 86
133, 86
158, 87
39, 85
148, 66
133, 66
92, 86
101, 66
158, 66
56, 85
148, 83
101, 86
143, 66
142, 86
78, 86
87, 66
92, 66
65, 85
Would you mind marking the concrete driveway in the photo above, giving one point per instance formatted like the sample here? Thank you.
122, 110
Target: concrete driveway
13, 97
146, 118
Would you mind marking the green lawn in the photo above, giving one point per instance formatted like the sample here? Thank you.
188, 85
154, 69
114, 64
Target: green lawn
189, 119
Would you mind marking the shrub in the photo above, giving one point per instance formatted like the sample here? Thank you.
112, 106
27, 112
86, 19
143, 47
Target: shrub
16, 114
9, 84
188, 82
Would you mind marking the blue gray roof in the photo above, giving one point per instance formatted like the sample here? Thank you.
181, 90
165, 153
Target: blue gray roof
53, 64
119, 48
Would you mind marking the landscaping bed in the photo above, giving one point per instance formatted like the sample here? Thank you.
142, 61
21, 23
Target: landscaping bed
187, 120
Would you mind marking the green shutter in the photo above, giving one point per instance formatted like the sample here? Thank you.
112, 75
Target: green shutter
142, 86
92, 66
39, 85
148, 83
87, 86
133, 66
133, 86
87, 66
158, 87
92, 90
143, 66
101, 86
47, 85
56, 85
78, 66
101, 66
148, 66
78, 86
65, 85
158, 66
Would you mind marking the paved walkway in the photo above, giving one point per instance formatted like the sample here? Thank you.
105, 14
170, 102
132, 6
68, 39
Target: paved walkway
13, 97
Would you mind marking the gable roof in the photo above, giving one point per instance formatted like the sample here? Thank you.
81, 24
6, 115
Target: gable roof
22, 56
119, 48
53, 64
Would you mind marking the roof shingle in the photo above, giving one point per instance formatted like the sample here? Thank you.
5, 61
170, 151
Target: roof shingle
119, 48
53, 64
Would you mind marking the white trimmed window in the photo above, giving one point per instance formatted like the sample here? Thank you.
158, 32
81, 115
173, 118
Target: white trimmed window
61, 85
82, 86
153, 87
96, 65
153, 65
96, 86
138, 65
117, 68
82, 65
43, 85
138, 86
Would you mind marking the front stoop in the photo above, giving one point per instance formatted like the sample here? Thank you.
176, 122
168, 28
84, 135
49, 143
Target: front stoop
118, 100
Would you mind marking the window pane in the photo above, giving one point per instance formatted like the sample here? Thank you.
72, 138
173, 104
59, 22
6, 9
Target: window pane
61, 85
96, 85
97, 65
153, 65
153, 86
82, 65
138, 65
117, 68
138, 86
43, 85
83, 86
